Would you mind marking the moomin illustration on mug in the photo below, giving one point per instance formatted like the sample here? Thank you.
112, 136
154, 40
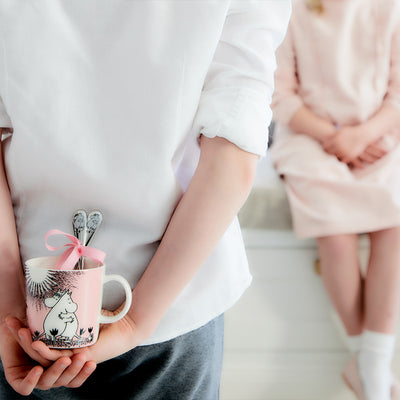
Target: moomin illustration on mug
64, 306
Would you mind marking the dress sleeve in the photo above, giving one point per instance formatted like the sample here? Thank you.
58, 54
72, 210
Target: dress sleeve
236, 96
286, 100
5, 121
393, 94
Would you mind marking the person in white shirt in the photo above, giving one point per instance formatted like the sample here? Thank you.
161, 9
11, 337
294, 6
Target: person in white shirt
154, 112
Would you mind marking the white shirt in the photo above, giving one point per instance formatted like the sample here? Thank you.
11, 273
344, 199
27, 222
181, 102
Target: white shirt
107, 99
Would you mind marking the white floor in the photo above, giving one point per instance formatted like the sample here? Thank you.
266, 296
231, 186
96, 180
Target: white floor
271, 376
282, 341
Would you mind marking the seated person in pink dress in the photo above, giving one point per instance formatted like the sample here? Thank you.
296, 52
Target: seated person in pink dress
337, 107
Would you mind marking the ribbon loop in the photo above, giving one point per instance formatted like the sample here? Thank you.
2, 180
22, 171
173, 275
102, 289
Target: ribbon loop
75, 250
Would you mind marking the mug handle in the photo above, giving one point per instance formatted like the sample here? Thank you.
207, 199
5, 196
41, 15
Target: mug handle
108, 319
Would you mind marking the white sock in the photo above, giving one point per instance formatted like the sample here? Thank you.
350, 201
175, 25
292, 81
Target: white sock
354, 343
374, 361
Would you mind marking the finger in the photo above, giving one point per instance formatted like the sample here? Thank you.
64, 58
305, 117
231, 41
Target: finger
344, 159
77, 364
332, 152
325, 145
338, 153
37, 350
368, 158
23, 337
339, 159
25, 386
49, 354
347, 158
328, 146
330, 140
85, 372
357, 164
14, 325
53, 373
375, 150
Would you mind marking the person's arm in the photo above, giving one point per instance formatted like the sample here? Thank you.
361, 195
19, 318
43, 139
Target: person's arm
305, 122
11, 277
286, 100
12, 299
392, 97
287, 104
383, 121
217, 191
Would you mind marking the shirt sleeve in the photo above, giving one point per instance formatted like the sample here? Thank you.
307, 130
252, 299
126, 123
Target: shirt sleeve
286, 100
393, 94
236, 96
5, 121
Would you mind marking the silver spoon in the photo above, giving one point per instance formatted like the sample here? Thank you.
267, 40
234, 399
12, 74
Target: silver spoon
79, 222
94, 220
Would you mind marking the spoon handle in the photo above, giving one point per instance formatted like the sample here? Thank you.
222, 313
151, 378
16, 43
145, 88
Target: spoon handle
94, 220
79, 221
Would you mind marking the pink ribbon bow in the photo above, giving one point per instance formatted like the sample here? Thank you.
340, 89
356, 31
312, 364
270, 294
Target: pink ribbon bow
74, 251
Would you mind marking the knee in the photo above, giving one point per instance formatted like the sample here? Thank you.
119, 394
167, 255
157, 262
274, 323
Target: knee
390, 236
337, 245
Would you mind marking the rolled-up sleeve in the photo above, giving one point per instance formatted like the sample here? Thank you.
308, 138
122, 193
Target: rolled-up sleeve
236, 97
5, 121
286, 100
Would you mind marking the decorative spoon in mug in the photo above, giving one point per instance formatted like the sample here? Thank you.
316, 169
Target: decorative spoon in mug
94, 220
84, 228
79, 221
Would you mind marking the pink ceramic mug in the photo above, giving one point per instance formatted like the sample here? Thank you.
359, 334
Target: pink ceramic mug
64, 306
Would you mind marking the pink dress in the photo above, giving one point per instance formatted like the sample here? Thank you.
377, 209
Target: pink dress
343, 65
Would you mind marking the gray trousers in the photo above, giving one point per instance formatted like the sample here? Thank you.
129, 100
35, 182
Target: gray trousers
185, 368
